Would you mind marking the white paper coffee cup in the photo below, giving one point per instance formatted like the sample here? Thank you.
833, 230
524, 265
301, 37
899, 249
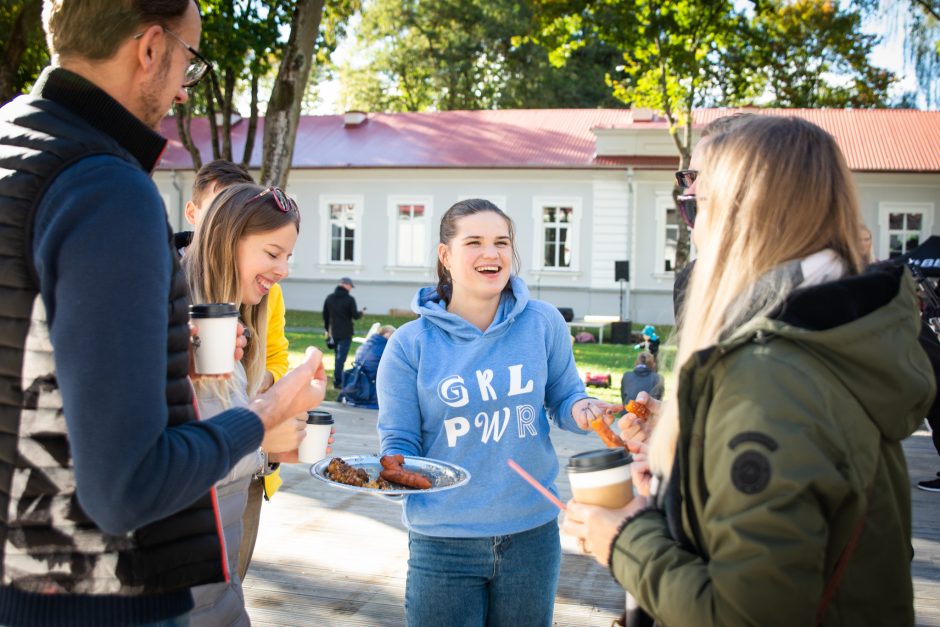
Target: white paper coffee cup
214, 342
601, 477
319, 427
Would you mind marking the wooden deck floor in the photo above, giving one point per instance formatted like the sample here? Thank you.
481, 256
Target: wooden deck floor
328, 557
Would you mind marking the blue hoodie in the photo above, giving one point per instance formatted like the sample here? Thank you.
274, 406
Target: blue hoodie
478, 398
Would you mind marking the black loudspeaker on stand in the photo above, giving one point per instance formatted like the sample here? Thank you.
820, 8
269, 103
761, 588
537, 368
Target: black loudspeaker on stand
622, 271
620, 331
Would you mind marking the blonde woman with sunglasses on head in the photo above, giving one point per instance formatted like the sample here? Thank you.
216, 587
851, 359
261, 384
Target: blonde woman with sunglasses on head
239, 251
783, 494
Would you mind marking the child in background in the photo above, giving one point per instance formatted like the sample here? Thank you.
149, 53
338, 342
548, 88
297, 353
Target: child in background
650, 341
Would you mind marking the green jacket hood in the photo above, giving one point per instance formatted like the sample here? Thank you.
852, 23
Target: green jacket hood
863, 328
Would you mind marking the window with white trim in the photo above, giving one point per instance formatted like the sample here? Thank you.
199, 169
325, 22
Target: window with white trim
667, 232
556, 231
409, 218
342, 217
904, 226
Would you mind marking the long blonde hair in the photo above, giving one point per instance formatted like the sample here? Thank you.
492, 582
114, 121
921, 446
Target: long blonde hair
212, 268
772, 190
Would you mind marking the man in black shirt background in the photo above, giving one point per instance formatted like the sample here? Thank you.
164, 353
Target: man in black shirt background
339, 311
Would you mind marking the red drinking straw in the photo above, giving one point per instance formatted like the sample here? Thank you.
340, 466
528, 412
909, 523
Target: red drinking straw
535, 484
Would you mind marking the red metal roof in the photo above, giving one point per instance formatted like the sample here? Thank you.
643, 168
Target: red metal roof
881, 140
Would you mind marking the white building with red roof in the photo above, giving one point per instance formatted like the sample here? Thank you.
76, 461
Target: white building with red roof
585, 187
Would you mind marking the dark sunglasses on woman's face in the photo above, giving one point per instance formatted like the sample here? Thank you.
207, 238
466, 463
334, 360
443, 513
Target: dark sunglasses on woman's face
685, 178
688, 207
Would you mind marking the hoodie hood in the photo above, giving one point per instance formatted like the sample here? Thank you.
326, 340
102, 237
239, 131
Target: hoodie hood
431, 307
864, 329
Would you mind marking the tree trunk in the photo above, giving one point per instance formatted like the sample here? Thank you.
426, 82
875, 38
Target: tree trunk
227, 109
11, 54
183, 117
283, 114
210, 118
684, 236
252, 123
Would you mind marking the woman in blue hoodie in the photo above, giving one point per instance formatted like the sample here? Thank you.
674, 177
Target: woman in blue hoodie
476, 381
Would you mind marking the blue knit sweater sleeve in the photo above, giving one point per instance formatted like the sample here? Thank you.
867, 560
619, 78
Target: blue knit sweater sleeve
102, 256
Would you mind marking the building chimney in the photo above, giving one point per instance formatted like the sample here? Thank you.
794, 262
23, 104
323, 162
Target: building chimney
641, 114
354, 118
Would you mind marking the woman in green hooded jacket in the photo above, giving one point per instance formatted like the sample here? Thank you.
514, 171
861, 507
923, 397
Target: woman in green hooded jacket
779, 491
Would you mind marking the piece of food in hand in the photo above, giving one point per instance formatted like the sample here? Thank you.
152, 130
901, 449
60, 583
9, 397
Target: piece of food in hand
393, 471
639, 409
611, 439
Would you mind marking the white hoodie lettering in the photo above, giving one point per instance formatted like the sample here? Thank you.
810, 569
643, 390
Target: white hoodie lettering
453, 392
515, 381
491, 424
485, 381
491, 427
525, 417
456, 427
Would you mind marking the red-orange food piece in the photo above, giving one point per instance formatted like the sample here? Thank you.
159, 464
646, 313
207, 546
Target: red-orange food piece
392, 471
639, 409
611, 439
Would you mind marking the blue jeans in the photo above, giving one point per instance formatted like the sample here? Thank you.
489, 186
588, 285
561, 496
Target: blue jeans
342, 350
503, 581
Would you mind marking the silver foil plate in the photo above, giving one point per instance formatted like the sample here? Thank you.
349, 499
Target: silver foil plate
443, 475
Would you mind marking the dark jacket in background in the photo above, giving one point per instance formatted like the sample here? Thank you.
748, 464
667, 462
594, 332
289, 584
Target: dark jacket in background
641, 379
359, 389
339, 311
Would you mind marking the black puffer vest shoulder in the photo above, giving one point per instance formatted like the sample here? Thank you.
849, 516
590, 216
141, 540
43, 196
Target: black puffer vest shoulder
48, 544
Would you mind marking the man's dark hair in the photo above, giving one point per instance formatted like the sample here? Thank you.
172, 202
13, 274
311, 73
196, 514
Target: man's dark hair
219, 173
94, 29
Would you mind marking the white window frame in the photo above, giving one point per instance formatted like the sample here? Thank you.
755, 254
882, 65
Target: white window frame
926, 209
392, 262
358, 203
664, 202
574, 233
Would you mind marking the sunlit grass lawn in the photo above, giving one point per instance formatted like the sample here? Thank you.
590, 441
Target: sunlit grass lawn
594, 358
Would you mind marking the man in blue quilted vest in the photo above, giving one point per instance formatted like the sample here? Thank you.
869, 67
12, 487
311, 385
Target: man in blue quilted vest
106, 510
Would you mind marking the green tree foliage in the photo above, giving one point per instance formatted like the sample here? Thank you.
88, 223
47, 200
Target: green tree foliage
241, 39
464, 54
23, 51
803, 44
245, 40
681, 54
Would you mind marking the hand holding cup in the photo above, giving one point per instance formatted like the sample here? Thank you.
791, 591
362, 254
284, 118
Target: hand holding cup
595, 526
286, 436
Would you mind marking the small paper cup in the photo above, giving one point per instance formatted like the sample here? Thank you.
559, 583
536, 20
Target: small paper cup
214, 342
601, 477
319, 427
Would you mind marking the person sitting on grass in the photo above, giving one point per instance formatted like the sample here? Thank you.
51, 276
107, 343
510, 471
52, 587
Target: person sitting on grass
643, 378
359, 381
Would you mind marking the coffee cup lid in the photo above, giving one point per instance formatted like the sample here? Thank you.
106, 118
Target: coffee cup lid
213, 310
319, 417
591, 461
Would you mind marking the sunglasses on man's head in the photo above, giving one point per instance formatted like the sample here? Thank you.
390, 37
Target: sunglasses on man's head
685, 178
284, 202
